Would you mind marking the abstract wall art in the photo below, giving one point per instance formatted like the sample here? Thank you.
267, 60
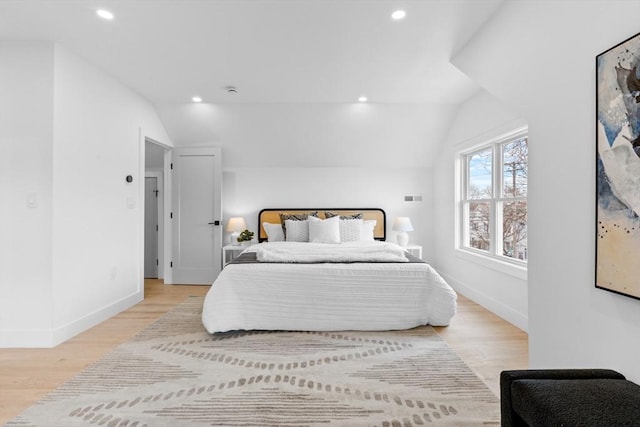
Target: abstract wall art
618, 168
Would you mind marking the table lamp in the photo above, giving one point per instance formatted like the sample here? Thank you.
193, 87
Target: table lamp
235, 226
401, 225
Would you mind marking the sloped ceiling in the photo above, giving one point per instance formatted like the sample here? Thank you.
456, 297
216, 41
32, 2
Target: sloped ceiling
306, 56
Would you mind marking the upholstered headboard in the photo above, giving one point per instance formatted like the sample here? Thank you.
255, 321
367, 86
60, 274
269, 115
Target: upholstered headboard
273, 216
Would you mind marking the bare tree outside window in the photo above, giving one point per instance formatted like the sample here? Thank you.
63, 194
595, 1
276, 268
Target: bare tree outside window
495, 198
479, 231
479, 189
514, 186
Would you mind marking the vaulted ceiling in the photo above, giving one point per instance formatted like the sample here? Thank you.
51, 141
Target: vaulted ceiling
305, 52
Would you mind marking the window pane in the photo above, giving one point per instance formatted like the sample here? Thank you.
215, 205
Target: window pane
478, 223
479, 168
514, 168
514, 231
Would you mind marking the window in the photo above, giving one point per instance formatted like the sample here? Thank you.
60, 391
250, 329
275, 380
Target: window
493, 202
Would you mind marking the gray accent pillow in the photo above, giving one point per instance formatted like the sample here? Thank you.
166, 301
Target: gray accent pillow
294, 217
328, 214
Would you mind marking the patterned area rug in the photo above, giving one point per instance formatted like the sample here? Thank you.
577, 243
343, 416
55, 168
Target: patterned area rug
175, 374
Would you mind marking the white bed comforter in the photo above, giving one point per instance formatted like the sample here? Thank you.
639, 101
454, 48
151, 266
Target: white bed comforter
327, 297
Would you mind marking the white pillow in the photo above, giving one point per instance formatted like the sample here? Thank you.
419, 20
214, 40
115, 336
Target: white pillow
350, 229
274, 232
323, 230
297, 231
366, 232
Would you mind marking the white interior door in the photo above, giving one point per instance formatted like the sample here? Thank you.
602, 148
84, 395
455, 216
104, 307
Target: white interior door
151, 228
196, 212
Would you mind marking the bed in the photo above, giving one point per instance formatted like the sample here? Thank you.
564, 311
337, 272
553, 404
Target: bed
360, 283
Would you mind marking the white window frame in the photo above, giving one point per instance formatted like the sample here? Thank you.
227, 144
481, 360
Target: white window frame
493, 257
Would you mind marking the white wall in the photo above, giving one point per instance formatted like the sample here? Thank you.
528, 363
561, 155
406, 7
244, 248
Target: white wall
248, 190
90, 136
313, 135
154, 157
26, 172
540, 60
320, 155
97, 235
502, 289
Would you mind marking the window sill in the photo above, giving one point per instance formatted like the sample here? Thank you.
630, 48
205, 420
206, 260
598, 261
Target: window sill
505, 267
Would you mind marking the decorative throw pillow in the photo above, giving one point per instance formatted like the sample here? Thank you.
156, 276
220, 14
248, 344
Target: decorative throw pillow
297, 230
350, 230
324, 230
274, 232
293, 217
328, 214
366, 232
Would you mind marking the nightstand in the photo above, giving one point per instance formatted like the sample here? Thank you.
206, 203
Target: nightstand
230, 252
415, 250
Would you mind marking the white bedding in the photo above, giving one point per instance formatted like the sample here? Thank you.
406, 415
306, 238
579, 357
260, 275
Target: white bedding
304, 252
327, 297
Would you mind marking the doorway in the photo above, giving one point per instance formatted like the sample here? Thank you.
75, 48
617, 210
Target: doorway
156, 164
151, 228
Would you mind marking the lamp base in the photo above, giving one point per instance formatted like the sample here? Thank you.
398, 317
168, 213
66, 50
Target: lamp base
234, 238
402, 238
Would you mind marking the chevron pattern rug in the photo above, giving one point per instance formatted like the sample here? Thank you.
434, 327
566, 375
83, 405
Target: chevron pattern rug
176, 374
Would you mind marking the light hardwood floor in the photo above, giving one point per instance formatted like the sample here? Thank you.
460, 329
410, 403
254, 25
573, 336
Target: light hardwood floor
485, 342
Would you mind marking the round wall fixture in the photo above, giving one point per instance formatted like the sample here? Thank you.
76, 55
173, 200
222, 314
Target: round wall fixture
129, 178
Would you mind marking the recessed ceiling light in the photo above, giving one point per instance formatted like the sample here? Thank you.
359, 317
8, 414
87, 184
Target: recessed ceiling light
398, 15
362, 99
104, 14
196, 99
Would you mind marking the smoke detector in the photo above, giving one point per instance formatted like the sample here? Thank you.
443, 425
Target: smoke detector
231, 89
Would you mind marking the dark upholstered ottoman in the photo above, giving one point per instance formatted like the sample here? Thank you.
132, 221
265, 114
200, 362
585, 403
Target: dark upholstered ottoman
568, 397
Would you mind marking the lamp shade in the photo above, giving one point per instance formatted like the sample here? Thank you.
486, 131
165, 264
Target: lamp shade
402, 223
236, 224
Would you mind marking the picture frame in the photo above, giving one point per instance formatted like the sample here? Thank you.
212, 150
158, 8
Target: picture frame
617, 266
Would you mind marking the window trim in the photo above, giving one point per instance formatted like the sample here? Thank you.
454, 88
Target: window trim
490, 258
518, 271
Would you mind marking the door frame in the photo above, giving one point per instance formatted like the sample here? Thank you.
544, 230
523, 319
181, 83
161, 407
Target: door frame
164, 207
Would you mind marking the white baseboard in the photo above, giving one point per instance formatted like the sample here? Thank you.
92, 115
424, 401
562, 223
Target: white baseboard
498, 308
46, 338
63, 333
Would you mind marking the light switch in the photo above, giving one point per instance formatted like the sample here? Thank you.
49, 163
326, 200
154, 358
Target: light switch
32, 200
